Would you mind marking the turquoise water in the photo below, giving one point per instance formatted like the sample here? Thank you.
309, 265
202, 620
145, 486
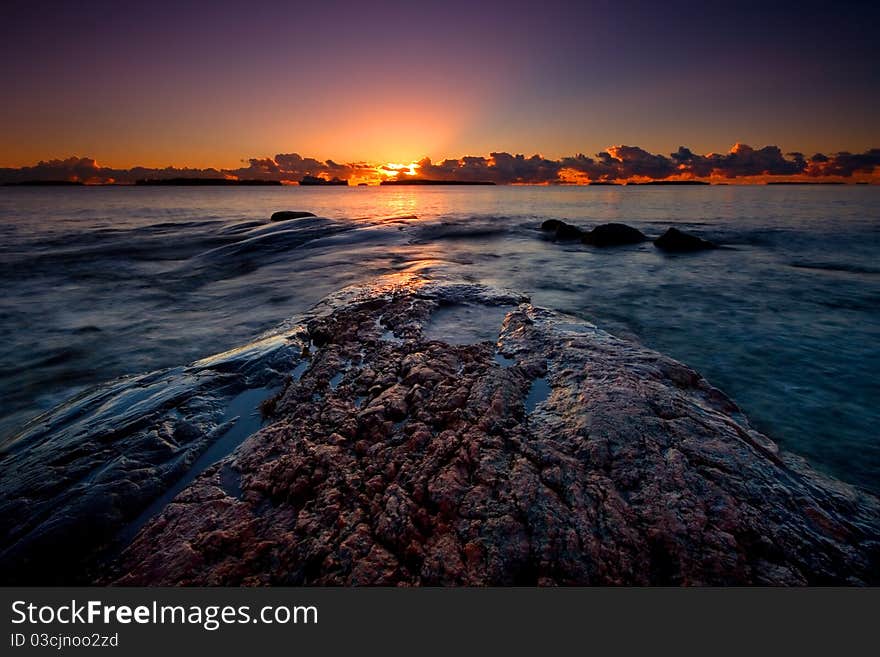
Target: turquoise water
103, 282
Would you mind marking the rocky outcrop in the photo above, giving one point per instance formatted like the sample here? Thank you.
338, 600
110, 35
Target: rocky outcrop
557, 455
550, 453
613, 234
678, 241
286, 215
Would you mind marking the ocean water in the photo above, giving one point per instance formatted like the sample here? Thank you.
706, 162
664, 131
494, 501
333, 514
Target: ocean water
104, 282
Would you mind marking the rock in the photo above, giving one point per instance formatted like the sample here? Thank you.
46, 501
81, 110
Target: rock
83, 473
285, 215
613, 235
568, 232
422, 467
602, 235
561, 230
675, 240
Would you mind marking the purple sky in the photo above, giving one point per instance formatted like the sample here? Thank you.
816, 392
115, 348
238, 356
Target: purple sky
208, 84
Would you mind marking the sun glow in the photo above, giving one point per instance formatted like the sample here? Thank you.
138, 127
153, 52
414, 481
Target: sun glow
393, 169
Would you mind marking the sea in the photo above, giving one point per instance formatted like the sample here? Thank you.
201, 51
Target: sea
106, 282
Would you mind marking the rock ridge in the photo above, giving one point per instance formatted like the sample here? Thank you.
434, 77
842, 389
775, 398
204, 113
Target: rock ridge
398, 460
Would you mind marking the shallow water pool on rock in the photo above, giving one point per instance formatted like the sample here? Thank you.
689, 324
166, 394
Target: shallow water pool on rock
466, 323
244, 411
539, 392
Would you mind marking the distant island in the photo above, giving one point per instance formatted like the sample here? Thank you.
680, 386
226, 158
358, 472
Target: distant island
334, 182
428, 181
805, 182
316, 181
207, 182
610, 183
670, 182
45, 183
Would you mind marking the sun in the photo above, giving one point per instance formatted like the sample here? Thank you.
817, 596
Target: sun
394, 169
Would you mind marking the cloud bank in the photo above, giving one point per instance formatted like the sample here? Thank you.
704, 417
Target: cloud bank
616, 164
285, 167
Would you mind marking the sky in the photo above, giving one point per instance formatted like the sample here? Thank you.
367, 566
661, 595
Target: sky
215, 84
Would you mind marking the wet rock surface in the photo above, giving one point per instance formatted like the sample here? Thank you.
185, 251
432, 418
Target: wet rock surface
561, 230
613, 234
678, 241
74, 479
399, 460
603, 235
286, 215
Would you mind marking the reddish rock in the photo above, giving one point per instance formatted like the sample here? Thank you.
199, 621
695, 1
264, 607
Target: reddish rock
634, 470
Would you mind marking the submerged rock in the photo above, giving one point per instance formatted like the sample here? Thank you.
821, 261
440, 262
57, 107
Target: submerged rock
285, 215
562, 230
415, 461
613, 235
676, 240
551, 225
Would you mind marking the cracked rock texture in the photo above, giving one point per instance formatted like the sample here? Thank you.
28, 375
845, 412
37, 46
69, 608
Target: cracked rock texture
400, 460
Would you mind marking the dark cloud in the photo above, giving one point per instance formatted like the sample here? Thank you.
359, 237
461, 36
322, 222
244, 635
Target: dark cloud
617, 163
284, 167
502, 168
292, 167
87, 170
844, 164
637, 162
628, 162
741, 161
620, 163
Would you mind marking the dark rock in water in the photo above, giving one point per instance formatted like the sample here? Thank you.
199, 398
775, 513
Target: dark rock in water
679, 241
285, 215
562, 230
568, 232
613, 235
428, 464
